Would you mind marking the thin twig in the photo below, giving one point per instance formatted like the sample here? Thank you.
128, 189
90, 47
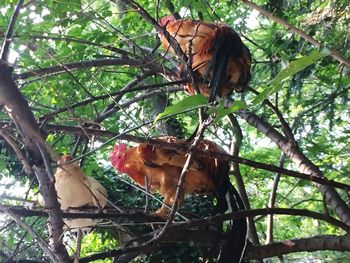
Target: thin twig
183, 174
234, 151
57, 69
80, 236
131, 216
8, 138
272, 200
8, 37
297, 31
171, 40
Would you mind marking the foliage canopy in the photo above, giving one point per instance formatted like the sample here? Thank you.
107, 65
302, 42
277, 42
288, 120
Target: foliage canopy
93, 69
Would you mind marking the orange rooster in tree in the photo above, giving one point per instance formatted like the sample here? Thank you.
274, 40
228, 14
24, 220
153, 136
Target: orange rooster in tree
220, 60
75, 189
163, 167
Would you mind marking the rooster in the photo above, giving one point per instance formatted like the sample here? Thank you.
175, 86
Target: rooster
75, 189
163, 167
219, 59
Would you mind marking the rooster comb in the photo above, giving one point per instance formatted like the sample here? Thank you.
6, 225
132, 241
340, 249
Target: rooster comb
117, 156
66, 158
119, 148
165, 20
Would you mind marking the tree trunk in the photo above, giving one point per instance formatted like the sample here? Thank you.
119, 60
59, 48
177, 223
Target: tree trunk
18, 109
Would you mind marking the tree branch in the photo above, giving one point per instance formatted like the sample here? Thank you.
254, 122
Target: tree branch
304, 165
297, 31
54, 70
203, 224
285, 127
113, 94
8, 138
8, 37
317, 243
272, 201
235, 147
173, 43
196, 224
259, 165
136, 215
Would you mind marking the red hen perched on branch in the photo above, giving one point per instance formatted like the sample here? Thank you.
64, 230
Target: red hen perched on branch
163, 167
219, 59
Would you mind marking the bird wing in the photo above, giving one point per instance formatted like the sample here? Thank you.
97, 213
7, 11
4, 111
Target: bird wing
192, 36
156, 155
98, 192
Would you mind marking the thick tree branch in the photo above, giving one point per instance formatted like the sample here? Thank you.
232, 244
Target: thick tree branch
259, 165
235, 148
317, 243
18, 108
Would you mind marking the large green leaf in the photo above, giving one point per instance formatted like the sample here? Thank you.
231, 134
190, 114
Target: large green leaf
293, 68
188, 103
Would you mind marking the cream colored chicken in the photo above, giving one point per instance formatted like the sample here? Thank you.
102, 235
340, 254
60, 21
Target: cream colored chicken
75, 189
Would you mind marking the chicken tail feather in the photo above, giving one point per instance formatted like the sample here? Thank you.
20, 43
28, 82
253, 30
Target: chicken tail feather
233, 247
225, 43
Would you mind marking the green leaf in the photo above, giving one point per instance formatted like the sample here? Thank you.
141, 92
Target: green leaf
293, 68
188, 103
263, 95
222, 111
298, 65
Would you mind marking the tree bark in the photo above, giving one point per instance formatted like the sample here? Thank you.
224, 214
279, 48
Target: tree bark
335, 243
235, 147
